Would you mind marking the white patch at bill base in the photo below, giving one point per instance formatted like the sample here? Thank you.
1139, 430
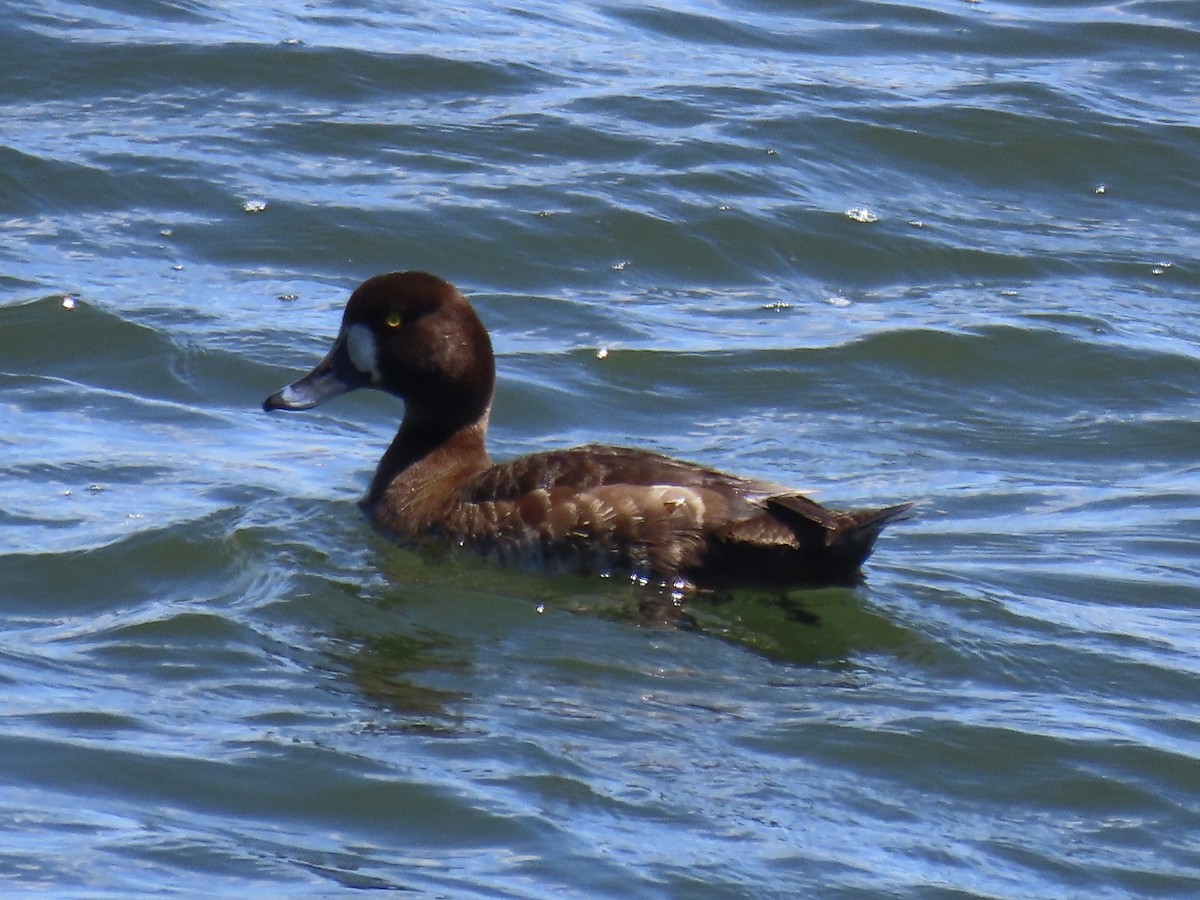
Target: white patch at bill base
360, 344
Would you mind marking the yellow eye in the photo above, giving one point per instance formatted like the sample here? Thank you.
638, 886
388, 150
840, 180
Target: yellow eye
393, 320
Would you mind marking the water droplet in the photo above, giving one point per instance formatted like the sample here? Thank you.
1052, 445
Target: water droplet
1101, 189
69, 302
838, 301
602, 353
861, 214
254, 206
541, 608
620, 266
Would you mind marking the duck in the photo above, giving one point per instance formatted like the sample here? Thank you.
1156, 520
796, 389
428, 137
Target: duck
589, 510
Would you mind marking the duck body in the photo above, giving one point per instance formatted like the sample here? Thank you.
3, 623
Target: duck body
593, 509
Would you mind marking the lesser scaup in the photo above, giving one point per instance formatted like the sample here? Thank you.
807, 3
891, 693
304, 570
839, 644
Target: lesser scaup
586, 509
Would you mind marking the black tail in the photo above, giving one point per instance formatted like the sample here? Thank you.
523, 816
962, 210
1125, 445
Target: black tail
832, 527
868, 523
825, 546
858, 539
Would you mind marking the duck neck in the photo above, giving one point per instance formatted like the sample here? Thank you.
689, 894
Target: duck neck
430, 441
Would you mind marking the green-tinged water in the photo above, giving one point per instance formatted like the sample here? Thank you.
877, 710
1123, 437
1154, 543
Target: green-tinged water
946, 252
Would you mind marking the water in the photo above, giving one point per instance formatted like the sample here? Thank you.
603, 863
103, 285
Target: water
217, 678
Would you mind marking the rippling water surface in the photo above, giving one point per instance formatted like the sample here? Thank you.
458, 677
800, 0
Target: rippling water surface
944, 252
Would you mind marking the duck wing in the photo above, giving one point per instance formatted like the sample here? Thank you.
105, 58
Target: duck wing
595, 465
618, 507
665, 518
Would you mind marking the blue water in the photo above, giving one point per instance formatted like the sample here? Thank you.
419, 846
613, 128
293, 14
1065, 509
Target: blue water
945, 252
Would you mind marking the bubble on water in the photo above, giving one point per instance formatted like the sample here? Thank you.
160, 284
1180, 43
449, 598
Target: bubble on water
1100, 189
620, 266
861, 214
839, 301
254, 206
69, 302
602, 353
